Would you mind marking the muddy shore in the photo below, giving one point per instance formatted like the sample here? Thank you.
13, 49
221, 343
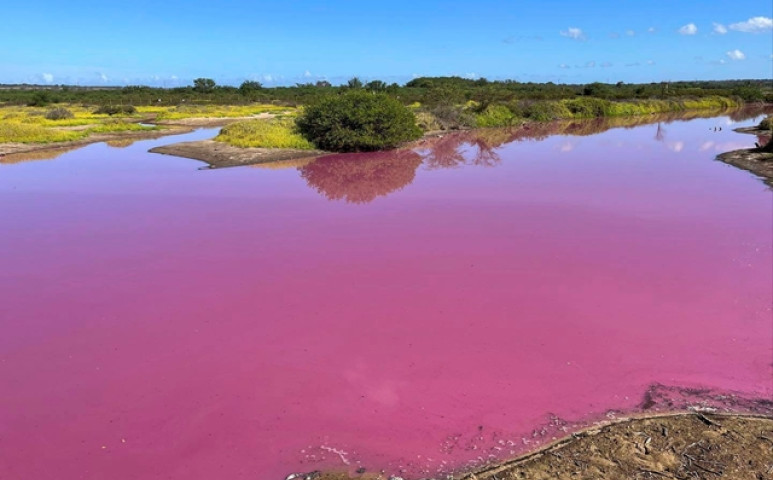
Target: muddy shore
220, 155
752, 160
676, 446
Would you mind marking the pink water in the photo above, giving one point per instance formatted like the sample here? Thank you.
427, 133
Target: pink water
415, 312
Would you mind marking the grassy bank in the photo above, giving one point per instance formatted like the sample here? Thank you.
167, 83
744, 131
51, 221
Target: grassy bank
271, 133
283, 133
512, 113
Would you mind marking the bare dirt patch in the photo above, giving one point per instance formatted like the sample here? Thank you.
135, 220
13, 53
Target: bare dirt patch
219, 154
752, 160
677, 446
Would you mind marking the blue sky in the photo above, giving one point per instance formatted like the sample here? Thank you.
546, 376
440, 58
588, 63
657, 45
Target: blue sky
170, 42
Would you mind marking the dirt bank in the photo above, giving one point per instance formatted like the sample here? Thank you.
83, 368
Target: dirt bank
8, 150
752, 160
219, 154
676, 446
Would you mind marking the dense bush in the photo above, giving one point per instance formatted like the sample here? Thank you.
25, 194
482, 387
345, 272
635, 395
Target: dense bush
116, 110
58, 113
767, 123
357, 121
495, 116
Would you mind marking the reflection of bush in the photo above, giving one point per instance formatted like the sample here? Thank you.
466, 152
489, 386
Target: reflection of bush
360, 178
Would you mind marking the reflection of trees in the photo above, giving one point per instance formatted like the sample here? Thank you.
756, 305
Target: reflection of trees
660, 134
361, 177
474, 147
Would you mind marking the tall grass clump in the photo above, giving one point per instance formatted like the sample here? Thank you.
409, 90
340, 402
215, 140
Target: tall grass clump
357, 121
59, 113
275, 133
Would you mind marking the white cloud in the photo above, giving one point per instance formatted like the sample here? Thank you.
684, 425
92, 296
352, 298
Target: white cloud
590, 64
103, 77
471, 75
651, 30
306, 74
573, 33
47, 77
689, 29
719, 29
614, 35
630, 33
650, 62
736, 54
753, 25
563, 65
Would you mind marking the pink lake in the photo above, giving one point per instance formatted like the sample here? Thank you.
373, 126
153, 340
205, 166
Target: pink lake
416, 312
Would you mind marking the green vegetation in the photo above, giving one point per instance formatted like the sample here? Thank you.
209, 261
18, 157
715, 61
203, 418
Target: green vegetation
116, 110
12, 132
357, 121
359, 115
766, 123
276, 133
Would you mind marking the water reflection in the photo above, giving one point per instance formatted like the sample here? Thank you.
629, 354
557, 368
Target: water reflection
360, 178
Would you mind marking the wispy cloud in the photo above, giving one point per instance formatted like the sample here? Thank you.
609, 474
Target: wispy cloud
735, 54
719, 29
689, 29
573, 33
563, 65
630, 33
614, 35
651, 30
47, 77
753, 25
606, 64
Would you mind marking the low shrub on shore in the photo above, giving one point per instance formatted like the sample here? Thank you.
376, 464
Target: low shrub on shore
766, 123
358, 121
275, 133
59, 113
116, 110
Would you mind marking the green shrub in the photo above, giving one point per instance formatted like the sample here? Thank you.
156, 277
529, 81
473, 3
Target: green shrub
357, 121
587, 107
766, 123
40, 99
59, 113
495, 116
116, 110
540, 111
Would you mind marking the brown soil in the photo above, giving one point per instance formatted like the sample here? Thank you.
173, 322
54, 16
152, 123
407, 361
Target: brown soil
219, 154
757, 162
677, 446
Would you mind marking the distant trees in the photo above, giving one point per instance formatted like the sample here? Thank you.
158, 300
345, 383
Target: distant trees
250, 86
204, 85
354, 83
